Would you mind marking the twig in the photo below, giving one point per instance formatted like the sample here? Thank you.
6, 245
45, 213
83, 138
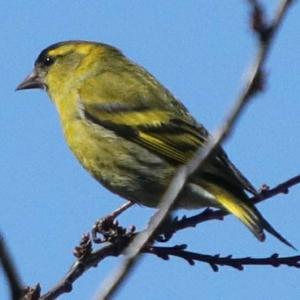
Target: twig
282, 188
116, 239
216, 260
65, 285
10, 272
253, 85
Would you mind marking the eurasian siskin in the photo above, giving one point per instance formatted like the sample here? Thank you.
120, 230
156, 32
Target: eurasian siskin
131, 133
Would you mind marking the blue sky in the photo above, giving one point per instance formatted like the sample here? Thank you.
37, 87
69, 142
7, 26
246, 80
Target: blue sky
200, 51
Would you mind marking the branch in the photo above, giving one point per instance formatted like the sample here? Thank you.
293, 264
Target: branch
252, 86
10, 272
119, 238
65, 285
116, 238
282, 188
216, 260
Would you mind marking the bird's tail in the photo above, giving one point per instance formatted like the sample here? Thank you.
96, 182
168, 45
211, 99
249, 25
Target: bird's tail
245, 211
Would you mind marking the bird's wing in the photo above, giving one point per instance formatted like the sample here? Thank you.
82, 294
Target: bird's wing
241, 179
175, 139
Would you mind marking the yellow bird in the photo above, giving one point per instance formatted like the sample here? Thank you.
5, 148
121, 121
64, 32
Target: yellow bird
131, 133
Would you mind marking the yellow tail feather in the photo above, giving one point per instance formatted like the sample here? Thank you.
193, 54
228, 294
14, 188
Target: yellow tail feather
245, 211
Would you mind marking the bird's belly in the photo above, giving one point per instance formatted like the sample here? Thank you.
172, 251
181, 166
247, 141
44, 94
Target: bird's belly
122, 166
128, 169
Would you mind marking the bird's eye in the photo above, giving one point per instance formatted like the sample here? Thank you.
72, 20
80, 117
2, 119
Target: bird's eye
47, 61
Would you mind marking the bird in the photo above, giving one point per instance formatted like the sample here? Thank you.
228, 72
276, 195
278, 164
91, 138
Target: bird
131, 134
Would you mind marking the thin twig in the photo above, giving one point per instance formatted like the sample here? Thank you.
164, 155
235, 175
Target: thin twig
253, 85
10, 272
216, 260
81, 266
282, 188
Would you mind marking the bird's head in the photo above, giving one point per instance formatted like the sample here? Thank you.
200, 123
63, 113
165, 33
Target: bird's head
63, 64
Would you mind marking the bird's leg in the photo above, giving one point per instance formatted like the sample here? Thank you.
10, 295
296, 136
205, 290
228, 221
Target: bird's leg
108, 225
119, 210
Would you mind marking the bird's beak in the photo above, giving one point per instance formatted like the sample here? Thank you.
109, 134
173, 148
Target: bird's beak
32, 81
